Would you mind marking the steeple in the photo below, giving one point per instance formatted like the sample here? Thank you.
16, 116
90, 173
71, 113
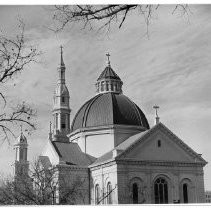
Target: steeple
62, 62
61, 69
21, 151
108, 80
61, 108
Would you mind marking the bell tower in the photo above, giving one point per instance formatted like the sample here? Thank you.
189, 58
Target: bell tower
61, 108
21, 162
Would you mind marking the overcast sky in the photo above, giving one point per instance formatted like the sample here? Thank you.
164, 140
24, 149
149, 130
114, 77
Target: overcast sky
170, 68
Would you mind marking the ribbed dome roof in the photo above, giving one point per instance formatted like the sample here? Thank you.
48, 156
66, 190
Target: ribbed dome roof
108, 73
109, 109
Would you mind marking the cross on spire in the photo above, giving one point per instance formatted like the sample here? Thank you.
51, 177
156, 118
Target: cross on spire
50, 126
108, 55
21, 129
62, 62
156, 107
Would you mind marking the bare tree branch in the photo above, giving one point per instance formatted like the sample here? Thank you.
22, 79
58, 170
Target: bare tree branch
105, 14
15, 56
39, 187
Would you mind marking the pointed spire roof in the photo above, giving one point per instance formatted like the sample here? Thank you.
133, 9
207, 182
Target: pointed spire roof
21, 139
62, 61
108, 72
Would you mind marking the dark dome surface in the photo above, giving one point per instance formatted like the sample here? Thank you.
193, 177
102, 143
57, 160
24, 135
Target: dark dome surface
109, 109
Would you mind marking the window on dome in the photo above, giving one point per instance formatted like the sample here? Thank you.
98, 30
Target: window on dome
112, 87
106, 86
63, 99
102, 86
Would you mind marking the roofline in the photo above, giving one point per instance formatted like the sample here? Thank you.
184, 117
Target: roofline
170, 132
106, 127
147, 162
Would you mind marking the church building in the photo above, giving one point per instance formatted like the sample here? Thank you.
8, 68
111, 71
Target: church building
114, 155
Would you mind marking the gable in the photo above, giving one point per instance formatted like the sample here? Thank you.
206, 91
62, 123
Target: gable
50, 152
171, 147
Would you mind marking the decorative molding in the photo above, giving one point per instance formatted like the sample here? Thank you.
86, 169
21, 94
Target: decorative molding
166, 131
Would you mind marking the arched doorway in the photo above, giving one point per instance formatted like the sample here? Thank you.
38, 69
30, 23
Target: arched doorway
185, 193
135, 193
160, 191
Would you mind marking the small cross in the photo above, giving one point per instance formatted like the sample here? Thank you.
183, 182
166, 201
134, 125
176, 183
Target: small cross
108, 55
21, 128
156, 107
50, 126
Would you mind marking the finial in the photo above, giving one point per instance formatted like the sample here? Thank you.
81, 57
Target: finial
50, 126
156, 107
62, 62
108, 55
21, 129
50, 132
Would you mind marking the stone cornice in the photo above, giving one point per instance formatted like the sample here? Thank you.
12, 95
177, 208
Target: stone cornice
165, 130
73, 167
105, 128
102, 164
159, 163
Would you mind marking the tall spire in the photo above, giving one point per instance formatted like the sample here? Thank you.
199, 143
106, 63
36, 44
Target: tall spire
62, 61
61, 109
21, 162
61, 68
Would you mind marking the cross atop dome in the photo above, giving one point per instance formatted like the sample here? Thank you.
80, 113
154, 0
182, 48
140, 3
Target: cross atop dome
108, 55
109, 81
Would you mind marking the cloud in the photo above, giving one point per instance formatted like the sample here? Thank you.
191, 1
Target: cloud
171, 69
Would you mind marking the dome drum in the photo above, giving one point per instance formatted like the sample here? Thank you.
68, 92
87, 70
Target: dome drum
109, 85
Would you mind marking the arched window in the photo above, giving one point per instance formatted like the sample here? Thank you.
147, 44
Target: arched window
63, 121
97, 194
107, 88
102, 86
161, 191
21, 154
185, 193
135, 193
109, 193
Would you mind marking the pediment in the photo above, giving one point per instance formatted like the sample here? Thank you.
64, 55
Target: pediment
160, 144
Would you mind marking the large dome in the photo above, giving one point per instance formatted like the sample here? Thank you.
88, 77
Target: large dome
109, 109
